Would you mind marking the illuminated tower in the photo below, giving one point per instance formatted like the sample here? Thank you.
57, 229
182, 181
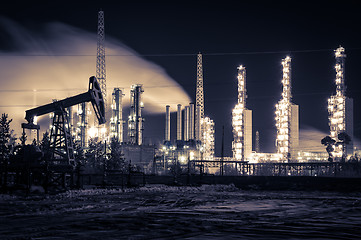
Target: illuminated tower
207, 138
340, 108
199, 98
135, 121
287, 117
100, 68
116, 121
241, 121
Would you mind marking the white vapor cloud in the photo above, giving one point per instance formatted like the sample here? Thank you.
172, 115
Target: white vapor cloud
310, 139
62, 60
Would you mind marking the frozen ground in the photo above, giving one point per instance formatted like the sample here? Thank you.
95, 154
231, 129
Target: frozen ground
163, 212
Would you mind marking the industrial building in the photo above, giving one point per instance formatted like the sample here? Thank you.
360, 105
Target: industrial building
340, 109
287, 117
135, 120
116, 121
195, 135
241, 121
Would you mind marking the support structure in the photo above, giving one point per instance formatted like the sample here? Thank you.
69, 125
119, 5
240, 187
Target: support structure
116, 121
241, 121
340, 108
286, 117
100, 66
135, 121
61, 144
199, 98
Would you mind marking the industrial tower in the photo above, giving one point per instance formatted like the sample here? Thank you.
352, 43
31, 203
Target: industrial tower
100, 68
204, 126
241, 121
199, 113
340, 108
208, 140
135, 121
286, 117
116, 121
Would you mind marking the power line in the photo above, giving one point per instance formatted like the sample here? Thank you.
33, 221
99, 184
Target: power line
179, 54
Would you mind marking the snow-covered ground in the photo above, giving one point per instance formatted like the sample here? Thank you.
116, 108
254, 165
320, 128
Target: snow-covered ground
163, 212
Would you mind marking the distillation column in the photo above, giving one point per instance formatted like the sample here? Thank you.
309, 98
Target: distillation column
116, 121
241, 121
340, 108
135, 121
286, 117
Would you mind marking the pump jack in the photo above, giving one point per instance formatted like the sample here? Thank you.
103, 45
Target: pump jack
60, 161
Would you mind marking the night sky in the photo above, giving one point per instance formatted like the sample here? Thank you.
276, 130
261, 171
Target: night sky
227, 34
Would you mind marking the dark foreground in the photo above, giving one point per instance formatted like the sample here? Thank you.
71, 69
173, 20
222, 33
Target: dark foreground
163, 212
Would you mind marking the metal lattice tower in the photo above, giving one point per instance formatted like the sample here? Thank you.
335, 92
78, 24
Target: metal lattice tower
199, 91
100, 68
238, 117
283, 113
199, 114
337, 103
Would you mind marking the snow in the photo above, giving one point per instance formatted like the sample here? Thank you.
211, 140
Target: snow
159, 211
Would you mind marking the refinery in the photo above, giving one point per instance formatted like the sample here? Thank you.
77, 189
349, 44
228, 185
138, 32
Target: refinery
80, 122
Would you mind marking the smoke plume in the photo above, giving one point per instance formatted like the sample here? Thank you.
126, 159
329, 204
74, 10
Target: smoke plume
56, 62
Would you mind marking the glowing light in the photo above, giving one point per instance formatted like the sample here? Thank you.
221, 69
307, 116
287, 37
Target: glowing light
238, 116
336, 103
92, 132
208, 138
283, 112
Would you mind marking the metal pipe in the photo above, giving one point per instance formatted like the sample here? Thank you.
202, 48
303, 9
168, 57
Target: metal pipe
186, 121
167, 123
191, 121
179, 122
